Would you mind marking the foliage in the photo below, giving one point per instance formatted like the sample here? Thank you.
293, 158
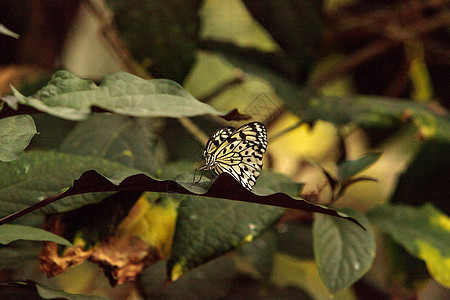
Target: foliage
110, 178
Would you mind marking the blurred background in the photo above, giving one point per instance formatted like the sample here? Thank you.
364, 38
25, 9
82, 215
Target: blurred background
268, 59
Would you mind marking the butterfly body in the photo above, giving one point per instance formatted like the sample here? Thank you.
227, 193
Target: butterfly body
238, 152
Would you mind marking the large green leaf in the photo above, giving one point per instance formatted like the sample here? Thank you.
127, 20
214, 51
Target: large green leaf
208, 228
224, 187
126, 140
423, 231
70, 97
218, 279
343, 251
15, 135
9, 233
40, 174
160, 34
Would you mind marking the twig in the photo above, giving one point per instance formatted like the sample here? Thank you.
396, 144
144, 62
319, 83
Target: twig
193, 129
352, 62
236, 80
113, 38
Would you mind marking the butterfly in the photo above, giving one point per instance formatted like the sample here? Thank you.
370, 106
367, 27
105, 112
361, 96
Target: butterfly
238, 152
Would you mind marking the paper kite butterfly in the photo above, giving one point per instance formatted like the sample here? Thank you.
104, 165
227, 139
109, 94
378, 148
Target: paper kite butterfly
238, 152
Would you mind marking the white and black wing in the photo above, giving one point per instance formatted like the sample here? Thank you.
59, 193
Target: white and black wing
241, 155
217, 138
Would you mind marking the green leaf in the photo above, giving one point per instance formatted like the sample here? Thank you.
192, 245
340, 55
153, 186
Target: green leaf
10, 233
161, 34
259, 255
6, 31
375, 113
432, 163
219, 279
404, 270
423, 231
343, 252
129, 141
40, 174
19, 254
224, 187
52, 131
350, 168
282, 18
69, 97
15, 135
49, 293
208, 228
207, 282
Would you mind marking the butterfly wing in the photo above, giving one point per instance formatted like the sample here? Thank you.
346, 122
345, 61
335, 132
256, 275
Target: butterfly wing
241, 154
254, 132
217, 138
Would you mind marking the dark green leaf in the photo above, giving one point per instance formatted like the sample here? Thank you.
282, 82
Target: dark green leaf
218, 279
291, 235
18, 291
423, 231
283, 18
210, 281
208, 228
52, 131
160, 34
15, 135
350, 168
70, 97
9, 233
224, 187
427, 177
38, 175
126, 140
18, 254
374, 112
343, 251
259, 254
405, 270
32, 290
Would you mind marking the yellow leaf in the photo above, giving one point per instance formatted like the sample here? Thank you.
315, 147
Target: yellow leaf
418, 73
438, 266
152, 223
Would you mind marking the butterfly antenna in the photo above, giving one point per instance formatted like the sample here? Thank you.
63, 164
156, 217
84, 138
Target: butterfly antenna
193, 139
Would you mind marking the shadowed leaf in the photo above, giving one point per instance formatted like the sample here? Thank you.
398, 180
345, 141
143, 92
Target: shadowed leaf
15, 135
224, 187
